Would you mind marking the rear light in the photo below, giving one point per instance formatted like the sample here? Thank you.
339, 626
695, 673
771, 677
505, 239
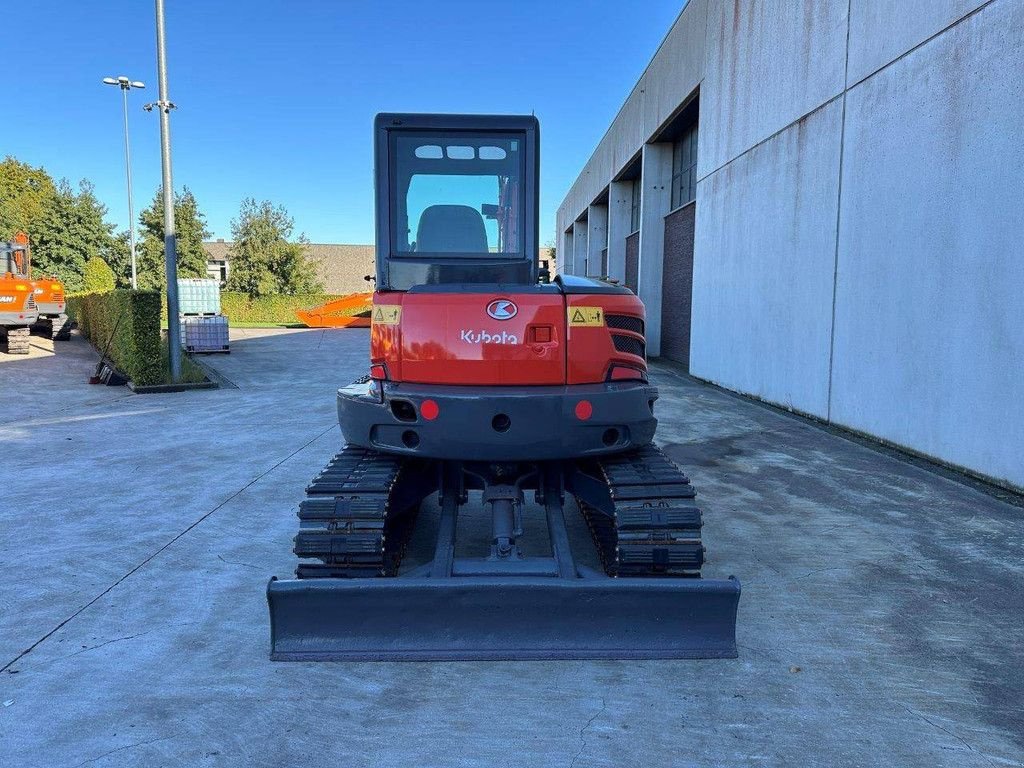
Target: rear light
429, 410
584, 410
625, 373
378, 372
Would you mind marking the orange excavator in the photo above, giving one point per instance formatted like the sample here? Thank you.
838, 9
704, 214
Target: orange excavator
47, 290
18, 309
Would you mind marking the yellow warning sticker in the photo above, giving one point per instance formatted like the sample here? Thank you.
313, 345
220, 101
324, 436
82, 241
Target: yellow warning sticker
586, 316
386, 314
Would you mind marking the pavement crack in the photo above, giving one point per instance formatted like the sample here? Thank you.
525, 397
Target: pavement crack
818, 570
948, 732
106, 642
583, 731
160, 550
238, 562
121, 749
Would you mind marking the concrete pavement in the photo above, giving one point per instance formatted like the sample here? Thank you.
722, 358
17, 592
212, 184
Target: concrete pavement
879, 624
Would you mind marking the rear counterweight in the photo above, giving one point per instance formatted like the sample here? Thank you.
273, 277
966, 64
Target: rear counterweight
500, 423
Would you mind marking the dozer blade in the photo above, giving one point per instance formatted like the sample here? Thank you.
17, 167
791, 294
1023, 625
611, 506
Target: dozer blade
505, 618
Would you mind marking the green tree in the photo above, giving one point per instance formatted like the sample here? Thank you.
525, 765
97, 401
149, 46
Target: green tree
120, 260
69, 231
190, 224
263, 258
25, 192
97, 276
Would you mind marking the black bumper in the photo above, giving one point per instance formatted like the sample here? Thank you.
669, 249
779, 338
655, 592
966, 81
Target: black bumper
481, 423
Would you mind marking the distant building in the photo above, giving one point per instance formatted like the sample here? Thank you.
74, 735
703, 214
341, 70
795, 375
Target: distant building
820, 205
342, 267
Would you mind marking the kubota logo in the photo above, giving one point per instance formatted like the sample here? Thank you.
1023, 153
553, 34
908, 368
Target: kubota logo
483, 337
502, 309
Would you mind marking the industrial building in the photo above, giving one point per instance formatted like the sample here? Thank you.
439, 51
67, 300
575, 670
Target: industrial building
341, 267
820, 203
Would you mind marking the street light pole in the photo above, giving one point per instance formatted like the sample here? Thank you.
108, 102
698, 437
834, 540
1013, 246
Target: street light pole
170, 237
126, 85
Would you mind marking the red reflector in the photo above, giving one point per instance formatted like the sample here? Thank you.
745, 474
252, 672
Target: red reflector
429, 410
622, 373
584, 410
378, 372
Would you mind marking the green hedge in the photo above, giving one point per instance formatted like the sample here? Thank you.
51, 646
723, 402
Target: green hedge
135, 348
239, 307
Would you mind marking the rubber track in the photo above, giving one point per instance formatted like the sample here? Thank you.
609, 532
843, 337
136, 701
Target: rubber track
656, 527
18, 340
347, 520
60, 328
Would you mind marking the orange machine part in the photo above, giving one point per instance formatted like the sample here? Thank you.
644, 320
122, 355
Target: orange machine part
49, 290
340, 313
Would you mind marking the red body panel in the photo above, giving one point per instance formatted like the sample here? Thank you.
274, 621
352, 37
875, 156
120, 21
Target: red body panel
449, 338
591, 349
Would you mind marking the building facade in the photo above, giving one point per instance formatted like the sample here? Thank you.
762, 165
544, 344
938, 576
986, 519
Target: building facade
820, 203
342, 267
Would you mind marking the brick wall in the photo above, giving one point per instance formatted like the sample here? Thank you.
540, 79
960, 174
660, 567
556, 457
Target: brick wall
632, 260
677, 286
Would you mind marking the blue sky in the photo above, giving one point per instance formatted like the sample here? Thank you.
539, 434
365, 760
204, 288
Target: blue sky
276, 99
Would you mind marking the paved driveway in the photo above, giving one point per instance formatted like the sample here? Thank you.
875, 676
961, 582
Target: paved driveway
880, 623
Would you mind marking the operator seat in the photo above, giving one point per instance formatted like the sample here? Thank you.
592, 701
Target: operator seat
451, 229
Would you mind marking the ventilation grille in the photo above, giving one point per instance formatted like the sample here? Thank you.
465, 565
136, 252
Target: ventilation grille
628, 344
625, 323
30, 303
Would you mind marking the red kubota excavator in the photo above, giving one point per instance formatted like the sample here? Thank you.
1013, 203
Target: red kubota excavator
490, 382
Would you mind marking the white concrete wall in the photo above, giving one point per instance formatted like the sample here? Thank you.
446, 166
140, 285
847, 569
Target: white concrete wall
859, 215
763, 267
768, 63
929, 336
655, 201
673, 74
597, 238
579, 248
564, 254
620, 204
883, 30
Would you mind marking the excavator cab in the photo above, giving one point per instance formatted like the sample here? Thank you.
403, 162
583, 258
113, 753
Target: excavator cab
14, 258
456, 200
18, 309
488, 390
